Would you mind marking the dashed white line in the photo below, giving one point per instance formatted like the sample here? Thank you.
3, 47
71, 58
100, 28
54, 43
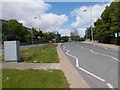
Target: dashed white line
102, 54
77, 45
77, 65
110, 86
63, 47
91, 51
105, 55
106, 48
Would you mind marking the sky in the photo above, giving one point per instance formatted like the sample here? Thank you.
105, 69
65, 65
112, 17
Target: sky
60, 17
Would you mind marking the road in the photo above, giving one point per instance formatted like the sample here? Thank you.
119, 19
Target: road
97, 65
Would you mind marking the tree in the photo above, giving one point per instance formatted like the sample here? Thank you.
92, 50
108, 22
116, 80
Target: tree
74, 32
88, 33
13, 30
65, 38
75, 35
106, 27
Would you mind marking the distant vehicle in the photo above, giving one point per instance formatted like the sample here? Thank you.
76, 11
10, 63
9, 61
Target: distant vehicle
50, 42
70, 41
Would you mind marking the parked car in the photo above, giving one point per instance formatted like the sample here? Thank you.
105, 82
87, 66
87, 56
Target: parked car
50, 42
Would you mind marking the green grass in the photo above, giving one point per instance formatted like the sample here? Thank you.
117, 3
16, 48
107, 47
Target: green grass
1, 57
41, 54
0, 72
13, 78
0, 78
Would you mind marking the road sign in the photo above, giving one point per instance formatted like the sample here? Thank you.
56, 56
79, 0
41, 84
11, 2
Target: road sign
116, 35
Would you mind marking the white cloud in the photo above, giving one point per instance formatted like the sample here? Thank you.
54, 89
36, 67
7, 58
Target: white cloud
65, 32
51, 22
22, 10
25, 12
82, 32
83, 14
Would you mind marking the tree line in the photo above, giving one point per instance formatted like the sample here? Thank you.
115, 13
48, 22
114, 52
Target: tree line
107, 28
13, 30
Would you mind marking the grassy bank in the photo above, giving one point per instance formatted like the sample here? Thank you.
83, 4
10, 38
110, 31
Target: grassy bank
42, 54
13, 78
1, 57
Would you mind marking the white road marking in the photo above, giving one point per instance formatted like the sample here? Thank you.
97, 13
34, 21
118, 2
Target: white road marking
91, 51
63, 47
77, 65
91, 74
110, 86
105, 55
106, 48
77, 45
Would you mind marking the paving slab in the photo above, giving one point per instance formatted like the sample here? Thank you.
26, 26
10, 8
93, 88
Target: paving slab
38, 66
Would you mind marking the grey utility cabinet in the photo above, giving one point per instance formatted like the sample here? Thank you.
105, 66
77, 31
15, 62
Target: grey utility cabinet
11, 50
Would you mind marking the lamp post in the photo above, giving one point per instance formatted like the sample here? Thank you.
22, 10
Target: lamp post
91, 23
32, 30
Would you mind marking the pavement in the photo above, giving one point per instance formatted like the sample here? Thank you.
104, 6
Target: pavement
38, 66
97, 64
73, 77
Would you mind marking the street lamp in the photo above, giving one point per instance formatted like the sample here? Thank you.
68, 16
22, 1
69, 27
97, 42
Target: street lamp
91, 23
32, 30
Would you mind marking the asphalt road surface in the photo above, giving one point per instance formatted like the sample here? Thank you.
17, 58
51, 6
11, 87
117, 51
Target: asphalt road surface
97, 65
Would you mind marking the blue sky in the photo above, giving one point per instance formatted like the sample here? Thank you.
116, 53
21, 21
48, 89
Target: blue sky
53, 16
66, 8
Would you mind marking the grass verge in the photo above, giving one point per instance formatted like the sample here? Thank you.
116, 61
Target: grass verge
41, 54
1, 57
13, 78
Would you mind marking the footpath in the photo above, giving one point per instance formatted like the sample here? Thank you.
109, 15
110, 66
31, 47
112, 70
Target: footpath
102, 44
36, 66
74, 79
